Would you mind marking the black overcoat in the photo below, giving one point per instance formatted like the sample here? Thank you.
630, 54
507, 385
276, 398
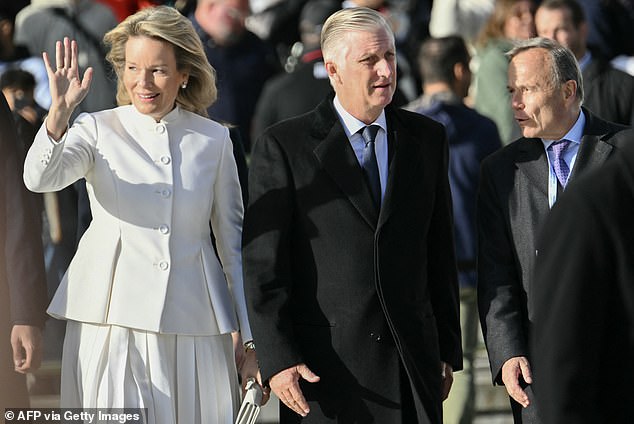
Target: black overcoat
351, 292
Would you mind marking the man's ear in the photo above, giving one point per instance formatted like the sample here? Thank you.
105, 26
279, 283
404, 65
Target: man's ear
570, 90
332, 69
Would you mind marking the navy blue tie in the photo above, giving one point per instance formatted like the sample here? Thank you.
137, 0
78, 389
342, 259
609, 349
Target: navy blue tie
370, 166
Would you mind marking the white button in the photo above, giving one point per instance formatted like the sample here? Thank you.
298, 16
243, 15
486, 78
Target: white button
160, 128
166, 192
163, 265
164, 229
165, 160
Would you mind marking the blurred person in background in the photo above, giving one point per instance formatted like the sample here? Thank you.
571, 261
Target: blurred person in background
59, 220
38, 25
22, 280
243, 62
306, 85
444, 67
510, 20
15, 56
609, 92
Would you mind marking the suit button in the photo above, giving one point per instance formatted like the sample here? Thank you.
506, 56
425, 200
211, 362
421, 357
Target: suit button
164, 229
163, 265
160, 128
165, 160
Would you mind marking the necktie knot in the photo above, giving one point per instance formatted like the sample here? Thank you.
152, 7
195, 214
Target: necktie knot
369, 133
559, 147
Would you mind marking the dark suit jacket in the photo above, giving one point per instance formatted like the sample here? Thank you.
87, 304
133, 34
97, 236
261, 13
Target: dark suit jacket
609, 92
352, 293
512, 206
23, 294
584, 299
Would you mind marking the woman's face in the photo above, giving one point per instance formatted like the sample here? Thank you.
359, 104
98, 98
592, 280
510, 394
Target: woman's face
150, 76
520, 24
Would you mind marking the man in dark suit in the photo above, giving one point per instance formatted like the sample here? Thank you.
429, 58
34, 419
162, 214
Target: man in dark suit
351, 276
444, 68
584, 299
609, 92
518, 185
22, 280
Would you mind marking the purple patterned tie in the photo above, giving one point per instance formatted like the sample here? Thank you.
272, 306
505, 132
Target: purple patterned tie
561, 167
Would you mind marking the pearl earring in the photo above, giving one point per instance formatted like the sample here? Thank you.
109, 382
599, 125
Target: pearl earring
184, 85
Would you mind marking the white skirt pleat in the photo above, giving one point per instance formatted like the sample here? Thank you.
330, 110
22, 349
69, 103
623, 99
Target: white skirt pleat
179, 379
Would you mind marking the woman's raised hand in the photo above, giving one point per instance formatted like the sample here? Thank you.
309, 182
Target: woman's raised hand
66, 87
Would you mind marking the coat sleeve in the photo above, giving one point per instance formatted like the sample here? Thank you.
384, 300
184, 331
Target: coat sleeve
500, 293
52, 166
266, 256
226, 223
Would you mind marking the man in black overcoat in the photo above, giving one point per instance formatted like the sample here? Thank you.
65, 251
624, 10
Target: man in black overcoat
352, 291
582, 338
23, 293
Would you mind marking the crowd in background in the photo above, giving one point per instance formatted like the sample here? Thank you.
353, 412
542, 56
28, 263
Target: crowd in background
269, 67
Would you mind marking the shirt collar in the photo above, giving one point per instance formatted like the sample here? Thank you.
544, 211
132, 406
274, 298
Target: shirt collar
574, 134
352, 125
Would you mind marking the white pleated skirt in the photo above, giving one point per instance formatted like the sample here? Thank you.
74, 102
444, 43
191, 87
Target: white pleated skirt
179, 379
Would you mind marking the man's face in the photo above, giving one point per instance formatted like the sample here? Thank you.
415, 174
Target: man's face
540, 109
364, 76
223, 20
557, 25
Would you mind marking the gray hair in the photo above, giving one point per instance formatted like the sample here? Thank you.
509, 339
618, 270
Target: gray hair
345, 20
564, 65
167, 24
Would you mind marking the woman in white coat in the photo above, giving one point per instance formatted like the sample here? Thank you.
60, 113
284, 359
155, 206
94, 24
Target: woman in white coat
151, 303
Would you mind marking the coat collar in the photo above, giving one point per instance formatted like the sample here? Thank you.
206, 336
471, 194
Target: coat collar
334, 153
594, 150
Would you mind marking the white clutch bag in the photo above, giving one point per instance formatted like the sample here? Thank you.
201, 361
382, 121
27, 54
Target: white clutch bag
250, 408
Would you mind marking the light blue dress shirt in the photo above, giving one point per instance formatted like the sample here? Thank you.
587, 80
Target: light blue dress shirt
569, 155
351, 126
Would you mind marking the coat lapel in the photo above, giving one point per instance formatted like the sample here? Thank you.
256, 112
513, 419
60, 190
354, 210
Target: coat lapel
334, 153
594, 150
399, 146
532, 162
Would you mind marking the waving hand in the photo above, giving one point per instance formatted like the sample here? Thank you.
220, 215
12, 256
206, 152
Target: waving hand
66, 87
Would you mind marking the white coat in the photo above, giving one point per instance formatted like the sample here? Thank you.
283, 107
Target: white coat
147, 260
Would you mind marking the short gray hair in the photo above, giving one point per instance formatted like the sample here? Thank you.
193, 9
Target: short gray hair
564, 65
345, 20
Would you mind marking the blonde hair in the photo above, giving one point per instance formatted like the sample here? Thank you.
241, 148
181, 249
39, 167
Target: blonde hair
344, 21
166, 24
494, 26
